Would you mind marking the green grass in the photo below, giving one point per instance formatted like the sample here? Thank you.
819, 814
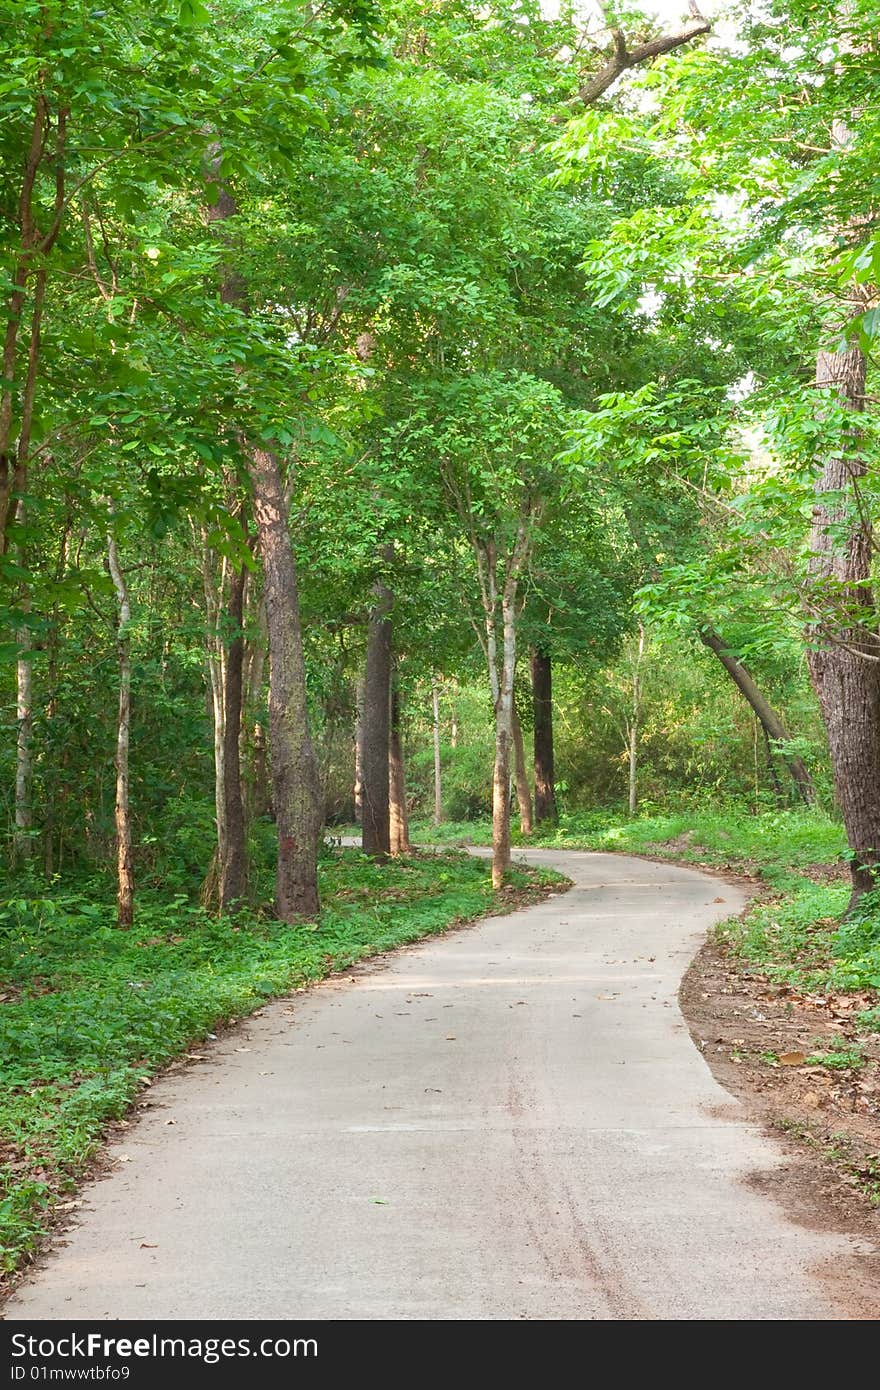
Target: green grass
798, 935
89, 1013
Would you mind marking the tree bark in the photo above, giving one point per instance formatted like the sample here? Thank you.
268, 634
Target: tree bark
376, 828
503, 745
843, 663
399, 818
438, 784
499, 645
622, 58
213, 585
635, 721
523, 794
296, 781
233, 863
124, 854
771, 723
542, 700
359, 752
24, 779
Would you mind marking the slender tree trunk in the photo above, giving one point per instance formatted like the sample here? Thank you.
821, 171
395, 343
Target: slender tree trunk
259, 795
376, 829
770, 721
296, 781
359, 752
438, 784
233, 864
503, 746
24, 808
635, 721
843, 662
124, 854
523, 794
399, 818
453, 724
542, 699
214, 584
500, 614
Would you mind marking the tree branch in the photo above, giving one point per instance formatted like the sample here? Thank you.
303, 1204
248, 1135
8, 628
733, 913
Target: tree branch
623, 58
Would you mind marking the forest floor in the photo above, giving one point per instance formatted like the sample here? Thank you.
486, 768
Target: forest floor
89, 1015
783, 1001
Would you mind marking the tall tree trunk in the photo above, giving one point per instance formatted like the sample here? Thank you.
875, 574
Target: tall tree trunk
770, 721
359, 752
214, 586
24, 775
124, 855
399, 818
259, 794
635, 721
503, 745
233, 864
523, 794
500, 605
376, 829
438, 783
542, 700
24, 807
453, 723
843, 663
296, 780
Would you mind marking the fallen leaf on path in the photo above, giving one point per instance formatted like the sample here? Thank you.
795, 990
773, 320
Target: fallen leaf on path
792, 1059
146, 1246
123, 1158
718, 900
450, 1037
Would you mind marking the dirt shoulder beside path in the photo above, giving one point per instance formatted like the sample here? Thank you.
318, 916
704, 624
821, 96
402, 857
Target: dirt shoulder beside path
761, 1040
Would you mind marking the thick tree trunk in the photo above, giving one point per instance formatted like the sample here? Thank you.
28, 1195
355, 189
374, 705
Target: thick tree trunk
542, 700
359, 752
376, 828
296, 779
523, 794
399, 818
770, 721
844, 664
124, 855
233, 864
438, 783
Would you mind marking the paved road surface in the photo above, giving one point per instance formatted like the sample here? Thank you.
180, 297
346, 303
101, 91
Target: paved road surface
507, 1122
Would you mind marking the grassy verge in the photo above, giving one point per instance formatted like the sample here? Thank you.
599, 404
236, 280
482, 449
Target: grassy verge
794, 932
88, 1014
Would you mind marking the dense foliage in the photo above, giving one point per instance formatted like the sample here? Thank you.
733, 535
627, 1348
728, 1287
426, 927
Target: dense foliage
364, 366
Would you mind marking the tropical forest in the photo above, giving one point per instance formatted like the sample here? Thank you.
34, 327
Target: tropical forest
439, 464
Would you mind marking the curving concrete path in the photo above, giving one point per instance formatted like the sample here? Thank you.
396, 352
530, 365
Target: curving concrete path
510, 1121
